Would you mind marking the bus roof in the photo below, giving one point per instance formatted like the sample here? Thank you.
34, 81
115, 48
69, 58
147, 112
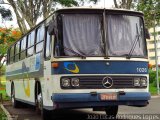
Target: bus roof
85, 10
88, 9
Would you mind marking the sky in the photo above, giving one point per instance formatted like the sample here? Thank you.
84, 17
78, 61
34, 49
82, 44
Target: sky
13, 23
105, 3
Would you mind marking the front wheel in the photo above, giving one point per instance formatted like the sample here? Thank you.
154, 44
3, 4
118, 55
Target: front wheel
111, 111
45, 114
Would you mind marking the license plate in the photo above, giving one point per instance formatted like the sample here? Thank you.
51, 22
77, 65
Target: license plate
108, 96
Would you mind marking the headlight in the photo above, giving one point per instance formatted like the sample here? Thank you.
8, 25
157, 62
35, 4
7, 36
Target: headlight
75, 82
143, 82
66, 82
137, 82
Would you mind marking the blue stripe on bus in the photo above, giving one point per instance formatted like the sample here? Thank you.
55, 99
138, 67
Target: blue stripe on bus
101, 67
19, 71
93, 67
27, 69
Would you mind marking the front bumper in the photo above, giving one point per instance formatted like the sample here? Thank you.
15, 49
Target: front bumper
87, 100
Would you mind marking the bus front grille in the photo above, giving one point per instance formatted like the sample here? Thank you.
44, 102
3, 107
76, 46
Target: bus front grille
103, 82
98, 82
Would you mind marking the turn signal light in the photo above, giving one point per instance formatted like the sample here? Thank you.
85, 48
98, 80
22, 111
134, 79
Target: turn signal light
55, 65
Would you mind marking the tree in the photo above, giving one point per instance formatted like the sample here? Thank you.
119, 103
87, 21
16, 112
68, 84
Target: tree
5, 13
7, 37
150, 8
28, 11
126, 4
151, 11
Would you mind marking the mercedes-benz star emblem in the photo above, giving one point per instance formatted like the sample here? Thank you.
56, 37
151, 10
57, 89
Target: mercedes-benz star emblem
107, 82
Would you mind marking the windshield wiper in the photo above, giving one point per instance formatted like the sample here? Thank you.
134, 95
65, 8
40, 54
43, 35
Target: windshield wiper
74, 52
134, 43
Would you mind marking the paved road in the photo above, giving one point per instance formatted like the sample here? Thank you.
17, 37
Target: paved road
151, 112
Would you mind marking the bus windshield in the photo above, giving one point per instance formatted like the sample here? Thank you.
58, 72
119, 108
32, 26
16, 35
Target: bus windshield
84, 34
122, 32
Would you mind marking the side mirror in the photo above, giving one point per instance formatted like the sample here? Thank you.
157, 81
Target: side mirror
147, 35
51, 28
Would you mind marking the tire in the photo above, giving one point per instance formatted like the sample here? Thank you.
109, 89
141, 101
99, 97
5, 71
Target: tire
111, 111
39, 103
45, 114
15, 103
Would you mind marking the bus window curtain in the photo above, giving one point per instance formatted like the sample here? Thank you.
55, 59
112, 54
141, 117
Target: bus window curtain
82, 33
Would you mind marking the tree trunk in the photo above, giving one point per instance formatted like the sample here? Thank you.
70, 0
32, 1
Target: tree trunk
46, 8
20, 20
129, 3
115, 3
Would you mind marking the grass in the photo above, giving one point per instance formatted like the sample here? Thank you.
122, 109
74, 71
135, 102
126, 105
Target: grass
2, 115
4, 95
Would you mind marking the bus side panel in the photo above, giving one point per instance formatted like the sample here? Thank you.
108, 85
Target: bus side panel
47, 91
48, 86
25, 90
8, 88
23, 74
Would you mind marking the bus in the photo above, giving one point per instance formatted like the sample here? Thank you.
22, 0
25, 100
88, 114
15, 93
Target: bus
81, 58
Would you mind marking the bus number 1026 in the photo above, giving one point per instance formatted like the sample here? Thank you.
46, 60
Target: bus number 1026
142, 70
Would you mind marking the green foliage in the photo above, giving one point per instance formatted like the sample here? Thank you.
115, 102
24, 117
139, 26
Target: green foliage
7, 37
2, 70
3, 88
3, 48
70, 3
152, 89
67, 3
151, 10
2, 115
3, 92
155, 82
2, 82
152, 77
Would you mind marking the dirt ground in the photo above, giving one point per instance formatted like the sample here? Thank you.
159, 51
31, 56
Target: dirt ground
29, 113
22, 113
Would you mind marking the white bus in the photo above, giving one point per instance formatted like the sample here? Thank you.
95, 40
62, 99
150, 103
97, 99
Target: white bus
81, 58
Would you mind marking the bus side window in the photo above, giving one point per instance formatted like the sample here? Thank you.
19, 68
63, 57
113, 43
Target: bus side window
30, 45
39, 39
47, 50
23, 48
12, 54
17, 49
